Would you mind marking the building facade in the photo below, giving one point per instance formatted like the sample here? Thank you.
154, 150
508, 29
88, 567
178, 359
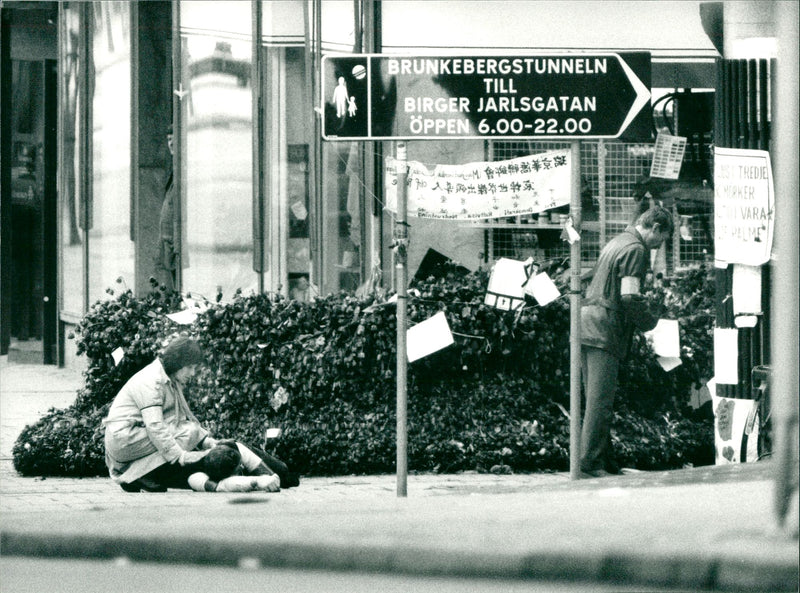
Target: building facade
255, 199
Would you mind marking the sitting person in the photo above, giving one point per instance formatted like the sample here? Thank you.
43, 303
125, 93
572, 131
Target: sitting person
153, 441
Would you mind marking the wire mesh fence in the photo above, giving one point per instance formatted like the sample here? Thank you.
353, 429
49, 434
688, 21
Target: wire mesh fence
615, 188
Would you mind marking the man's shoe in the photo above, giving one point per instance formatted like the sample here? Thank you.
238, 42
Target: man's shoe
143, 484
594, 473
149, 485
291, 480
130, 487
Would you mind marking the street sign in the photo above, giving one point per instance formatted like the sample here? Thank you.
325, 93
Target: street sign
558, 96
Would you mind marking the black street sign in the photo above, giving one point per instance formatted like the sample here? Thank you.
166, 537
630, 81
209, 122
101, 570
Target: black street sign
558, 96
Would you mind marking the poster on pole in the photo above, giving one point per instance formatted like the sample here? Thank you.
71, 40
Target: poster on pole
480, 190
668, 156
744, 206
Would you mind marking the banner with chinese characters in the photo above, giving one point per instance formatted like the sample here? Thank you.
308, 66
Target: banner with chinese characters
473, 191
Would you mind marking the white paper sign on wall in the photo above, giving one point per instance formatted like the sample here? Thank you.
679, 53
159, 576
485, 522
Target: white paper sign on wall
744, 206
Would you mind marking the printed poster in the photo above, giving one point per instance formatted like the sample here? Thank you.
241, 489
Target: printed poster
482, 190
733, 420
668, 156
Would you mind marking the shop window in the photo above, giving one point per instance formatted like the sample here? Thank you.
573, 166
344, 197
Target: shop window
343, 216
216, 209
111, 248
299, 248
72, 204
290, 217
539, 235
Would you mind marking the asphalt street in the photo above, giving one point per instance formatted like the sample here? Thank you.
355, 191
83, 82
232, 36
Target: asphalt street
30, 575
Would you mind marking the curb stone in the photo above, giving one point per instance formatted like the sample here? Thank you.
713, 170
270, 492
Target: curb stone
623, 569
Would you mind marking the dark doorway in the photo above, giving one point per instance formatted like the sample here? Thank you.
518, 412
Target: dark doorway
29, 213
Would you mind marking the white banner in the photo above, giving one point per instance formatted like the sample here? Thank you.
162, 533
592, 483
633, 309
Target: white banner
744, 206
473, 191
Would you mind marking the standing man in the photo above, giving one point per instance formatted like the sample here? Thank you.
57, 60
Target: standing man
167, 256
612, 309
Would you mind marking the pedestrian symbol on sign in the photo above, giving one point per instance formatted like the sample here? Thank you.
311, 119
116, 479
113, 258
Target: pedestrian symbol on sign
345, 92
340, 98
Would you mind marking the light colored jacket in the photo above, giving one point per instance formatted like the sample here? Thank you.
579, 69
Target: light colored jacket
134, 447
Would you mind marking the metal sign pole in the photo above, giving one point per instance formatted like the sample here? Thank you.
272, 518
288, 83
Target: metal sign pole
575, 316
401, 277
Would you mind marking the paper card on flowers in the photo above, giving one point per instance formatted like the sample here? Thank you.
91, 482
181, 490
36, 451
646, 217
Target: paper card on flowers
505, 285
542, 288
665, 338
185, 317
702, 395
117, 355
428, 337
669, 362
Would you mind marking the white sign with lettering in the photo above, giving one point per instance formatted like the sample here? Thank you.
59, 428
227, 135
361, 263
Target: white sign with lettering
744, 206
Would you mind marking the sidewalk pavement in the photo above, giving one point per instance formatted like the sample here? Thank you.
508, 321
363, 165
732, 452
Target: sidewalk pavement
692, 529
27, 391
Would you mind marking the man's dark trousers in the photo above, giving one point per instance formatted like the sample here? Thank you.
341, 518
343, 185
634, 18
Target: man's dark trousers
600, 369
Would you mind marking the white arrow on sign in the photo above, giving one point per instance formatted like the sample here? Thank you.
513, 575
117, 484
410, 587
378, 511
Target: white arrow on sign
642, 95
